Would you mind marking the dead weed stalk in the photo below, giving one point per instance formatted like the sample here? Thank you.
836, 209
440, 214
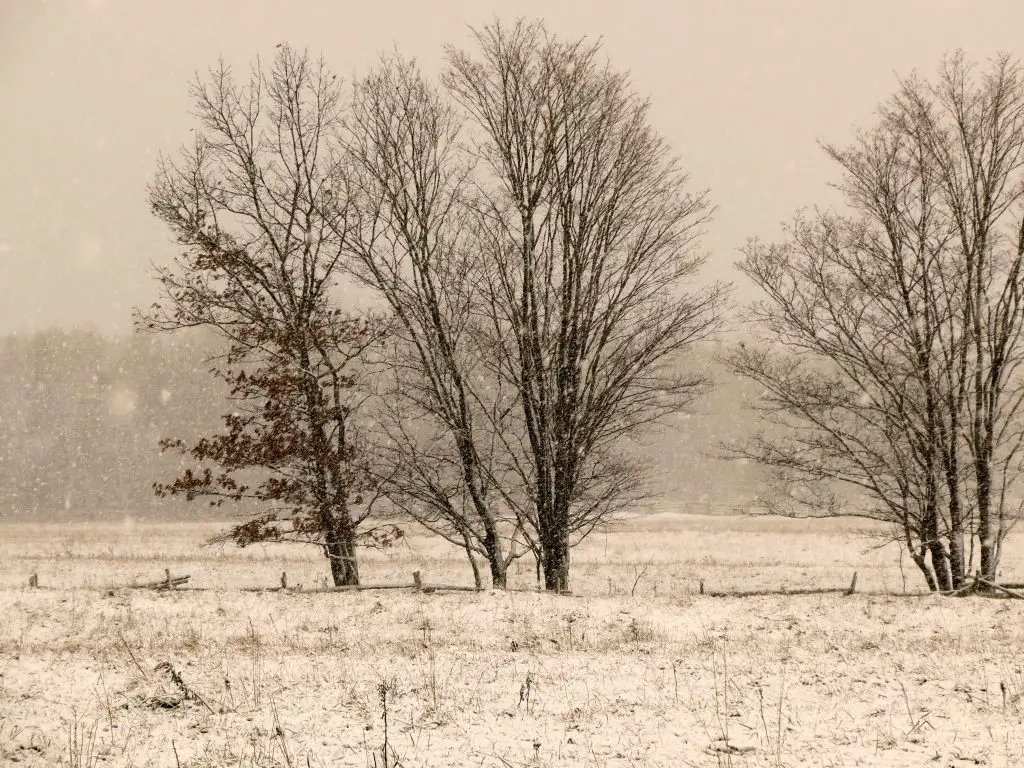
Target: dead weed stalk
82, 738
187, 693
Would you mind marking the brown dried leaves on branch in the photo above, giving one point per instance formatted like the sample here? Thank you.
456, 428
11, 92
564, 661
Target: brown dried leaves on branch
263, 248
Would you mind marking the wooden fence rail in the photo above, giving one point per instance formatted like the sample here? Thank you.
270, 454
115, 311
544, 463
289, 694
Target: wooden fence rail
977, 586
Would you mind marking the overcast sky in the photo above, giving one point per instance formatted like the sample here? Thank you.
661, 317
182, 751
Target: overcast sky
92, 90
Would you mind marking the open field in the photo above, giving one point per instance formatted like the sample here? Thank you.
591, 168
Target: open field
635, 669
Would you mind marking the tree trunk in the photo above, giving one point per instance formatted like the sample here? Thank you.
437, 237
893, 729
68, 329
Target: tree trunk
986, 539
957, 563
922, 562
477, 578
935, 545
478, 581
556, 564
492, 545
340, 548
988, 559
499, 577
940, 564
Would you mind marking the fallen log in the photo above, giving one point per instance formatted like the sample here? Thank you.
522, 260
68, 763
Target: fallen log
961, 592
1001, 588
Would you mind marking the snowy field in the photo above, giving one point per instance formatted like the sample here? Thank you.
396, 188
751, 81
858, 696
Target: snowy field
634, 669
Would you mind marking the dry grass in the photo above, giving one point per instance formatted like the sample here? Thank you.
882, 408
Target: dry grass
635, 670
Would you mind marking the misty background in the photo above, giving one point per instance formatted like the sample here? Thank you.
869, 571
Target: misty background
94, 90
83, 414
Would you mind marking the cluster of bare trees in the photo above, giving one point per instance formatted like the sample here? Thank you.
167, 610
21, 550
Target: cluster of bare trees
526, 236
891, 333
528, 233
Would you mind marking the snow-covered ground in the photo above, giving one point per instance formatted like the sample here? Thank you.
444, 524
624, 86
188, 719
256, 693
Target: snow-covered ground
635, 669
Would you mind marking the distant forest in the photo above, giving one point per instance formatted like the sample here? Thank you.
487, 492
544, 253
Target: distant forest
81, 415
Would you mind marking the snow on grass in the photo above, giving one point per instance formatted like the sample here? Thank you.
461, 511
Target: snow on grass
662, 677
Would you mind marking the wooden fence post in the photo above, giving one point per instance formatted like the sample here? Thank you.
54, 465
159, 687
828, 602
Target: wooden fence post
702, 586
416, 580
284, 580
853, 584
33, 580
167, 573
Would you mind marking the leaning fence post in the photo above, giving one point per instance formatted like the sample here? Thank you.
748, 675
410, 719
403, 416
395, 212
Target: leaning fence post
167, 573
853, 584
416, 580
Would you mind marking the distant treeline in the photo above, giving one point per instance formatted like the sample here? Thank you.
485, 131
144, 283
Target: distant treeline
82, 413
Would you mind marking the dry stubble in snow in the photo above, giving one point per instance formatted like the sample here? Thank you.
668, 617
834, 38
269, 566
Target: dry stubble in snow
660, 678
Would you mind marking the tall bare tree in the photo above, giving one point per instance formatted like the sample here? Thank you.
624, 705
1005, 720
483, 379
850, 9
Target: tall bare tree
848, 372
408, 181
588, 235
907, 315
262, 233
973, 128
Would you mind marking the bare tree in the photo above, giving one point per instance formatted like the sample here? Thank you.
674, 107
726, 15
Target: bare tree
847, 376
973, 129
408, 181
588, 236
425, 477
263, 238
902, 322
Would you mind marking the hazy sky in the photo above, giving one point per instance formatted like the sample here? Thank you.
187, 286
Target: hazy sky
92, 90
